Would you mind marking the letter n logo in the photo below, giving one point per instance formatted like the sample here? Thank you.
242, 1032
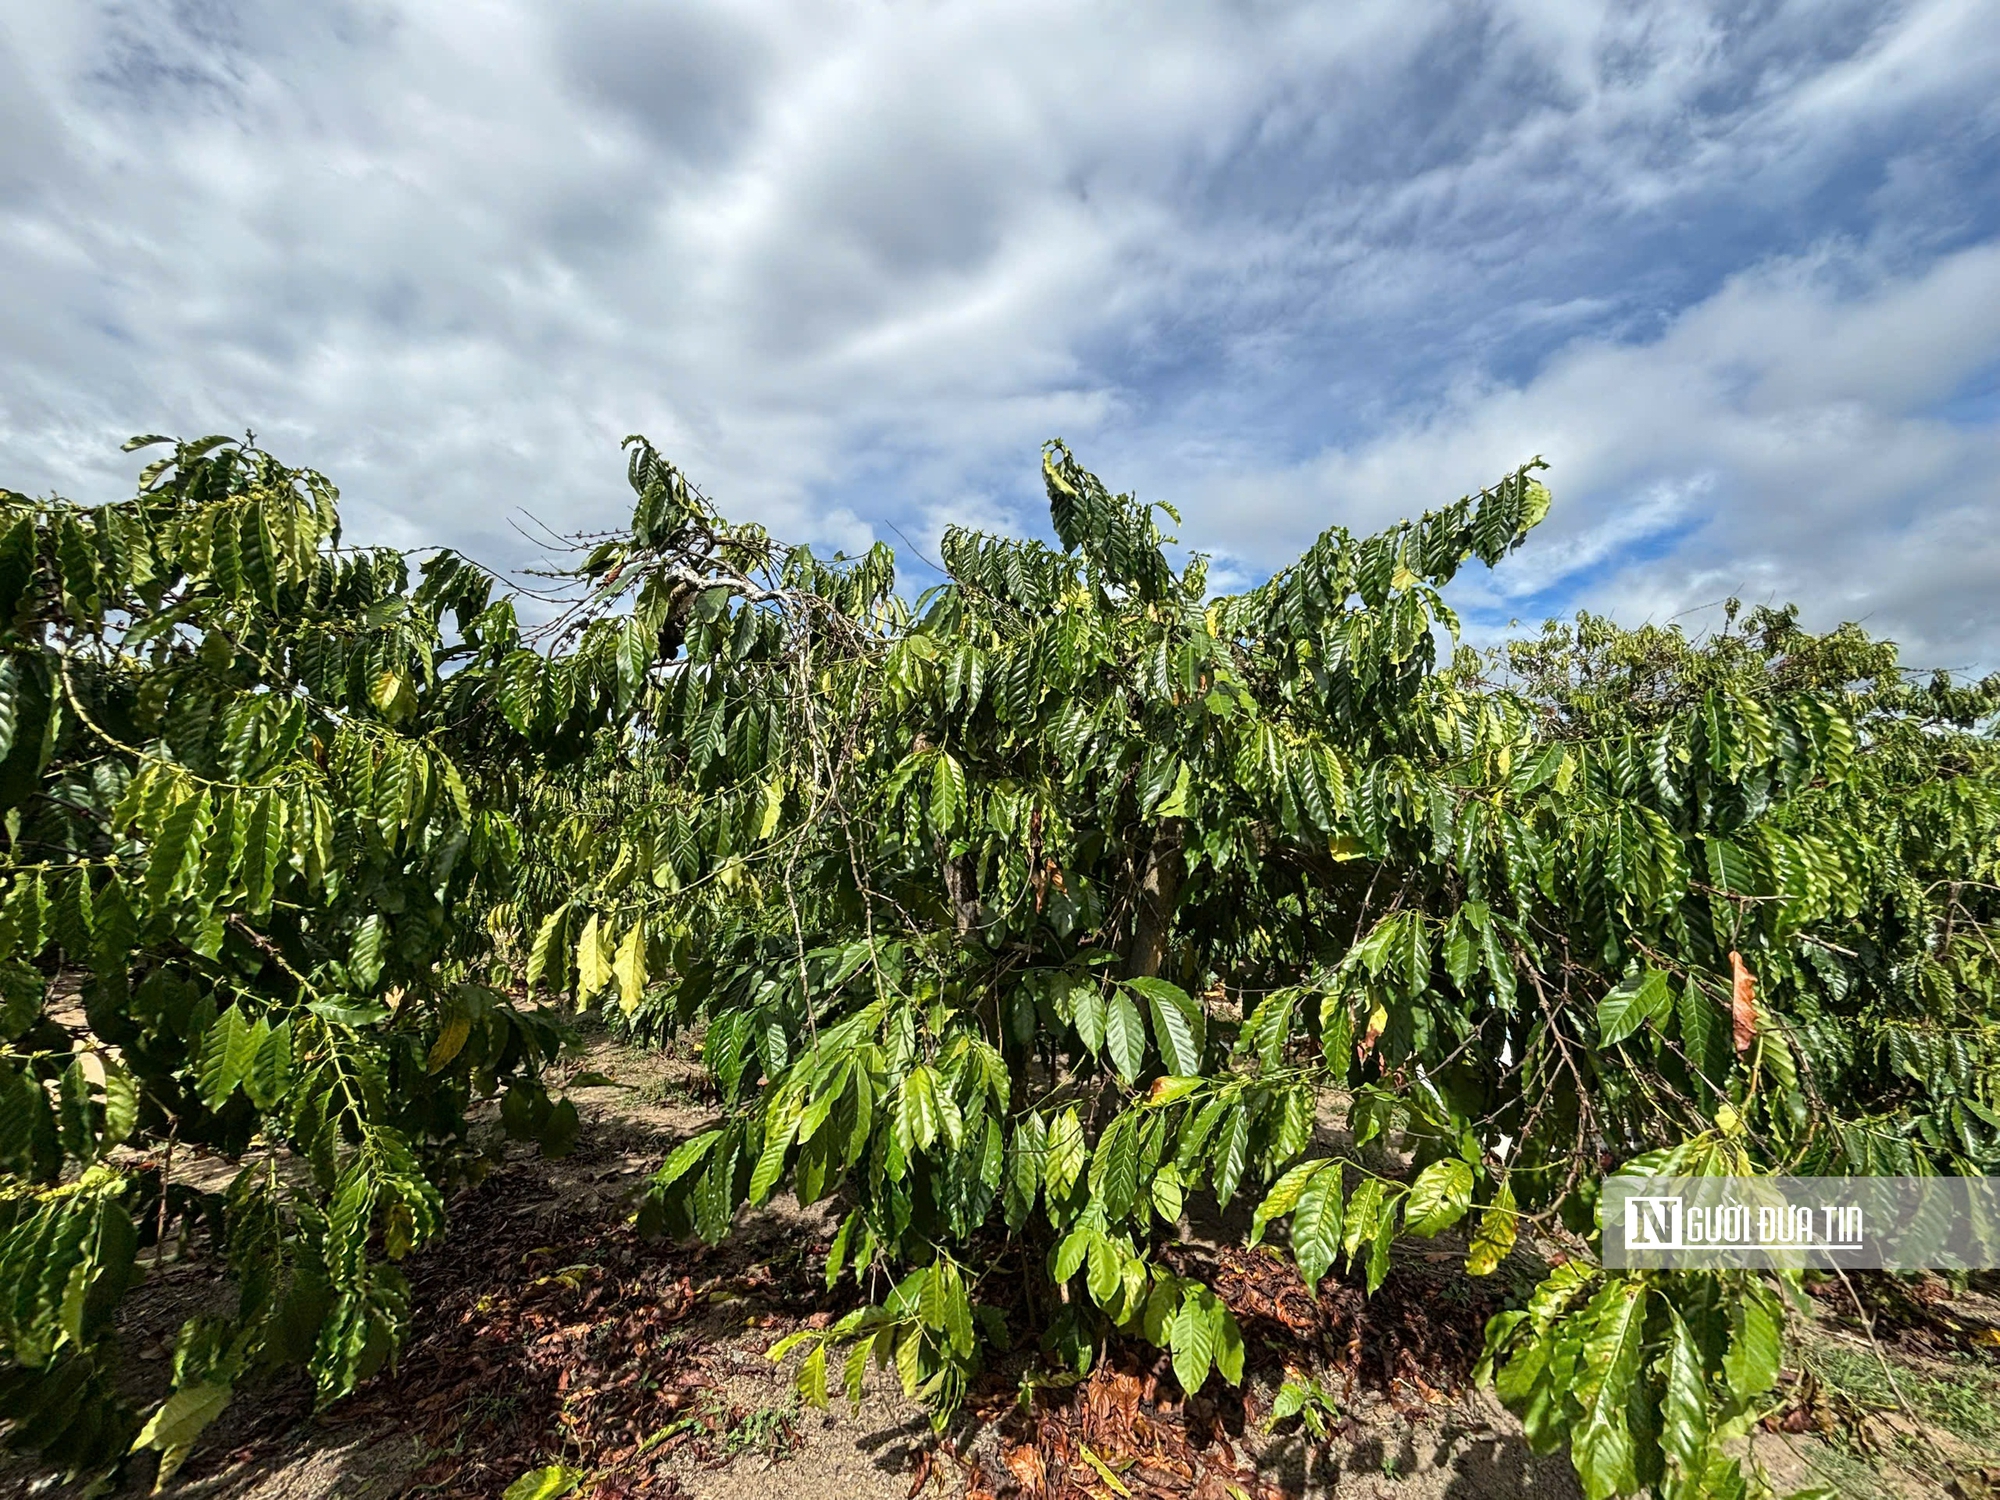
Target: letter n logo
1652, 1223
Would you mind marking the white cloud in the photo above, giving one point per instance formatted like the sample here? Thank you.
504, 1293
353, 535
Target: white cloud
1780, 441
850, 263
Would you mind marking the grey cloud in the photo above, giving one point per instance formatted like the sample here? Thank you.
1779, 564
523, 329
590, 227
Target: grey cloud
850, 263
689, 75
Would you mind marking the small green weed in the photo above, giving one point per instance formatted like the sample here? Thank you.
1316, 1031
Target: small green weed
1303, 1397
1965, 1403
769, 1430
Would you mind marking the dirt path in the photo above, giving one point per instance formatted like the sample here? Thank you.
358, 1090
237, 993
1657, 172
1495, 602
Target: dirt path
546, 1332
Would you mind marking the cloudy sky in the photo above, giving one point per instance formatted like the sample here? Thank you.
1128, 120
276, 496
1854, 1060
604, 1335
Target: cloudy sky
1733, 269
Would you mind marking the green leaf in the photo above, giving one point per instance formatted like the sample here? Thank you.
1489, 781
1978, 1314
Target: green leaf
1316, 1226
1193, 1340
948, 794
1460, 954
1684, 1409
1602, 1448
1439, 1197
1228, 1343
684, 1158
346, 1013
1284, 1195
1499, 963
1088, 1014
1065, 1154
1751, 1362
226, 1053
919, 1110
783, 1121
1269, 1028
364, 959
23, 991
121, 1106
1114, 1167
811, 1381
1125, 1036
1232, 1154
175, 850
1636, 999
1023, 1176
1702, 1032
1179, 1024
558, 1134
1378, 1249
1336, 1033
1104, 1269
269, 1074
635, 656
263, 852
855, 1371
1070, 1252
1364, 1209
10, 678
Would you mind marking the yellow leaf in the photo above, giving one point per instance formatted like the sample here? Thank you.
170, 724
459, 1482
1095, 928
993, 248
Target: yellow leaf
1103, 1469
1565, 774
173, 1428
1378, 1022
1497, 1229
1346, 847
630, 967
592, 972
544, 1484
392, 694
399, 1231
774, 806
450, 1039
1537, 505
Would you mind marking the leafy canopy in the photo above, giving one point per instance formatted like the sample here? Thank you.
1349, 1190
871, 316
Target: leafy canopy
1021, 922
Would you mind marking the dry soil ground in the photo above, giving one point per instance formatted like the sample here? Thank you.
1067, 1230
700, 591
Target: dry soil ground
547, 1333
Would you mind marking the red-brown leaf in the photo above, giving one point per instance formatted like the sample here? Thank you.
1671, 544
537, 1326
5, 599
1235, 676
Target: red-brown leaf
1742, 1003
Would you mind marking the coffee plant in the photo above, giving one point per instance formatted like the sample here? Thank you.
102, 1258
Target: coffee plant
1021, 921
261, 803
